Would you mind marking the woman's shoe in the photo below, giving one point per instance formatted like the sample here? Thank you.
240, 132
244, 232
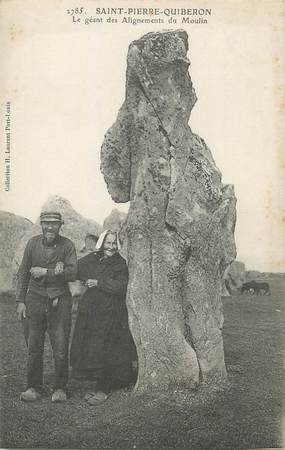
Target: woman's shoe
97, 397
59, 396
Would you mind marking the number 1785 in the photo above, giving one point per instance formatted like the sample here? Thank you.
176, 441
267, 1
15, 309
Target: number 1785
75, 11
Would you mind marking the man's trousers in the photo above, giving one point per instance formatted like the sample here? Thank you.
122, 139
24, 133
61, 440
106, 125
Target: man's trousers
44, 314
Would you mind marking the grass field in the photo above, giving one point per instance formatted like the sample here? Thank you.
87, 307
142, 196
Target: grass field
245, 413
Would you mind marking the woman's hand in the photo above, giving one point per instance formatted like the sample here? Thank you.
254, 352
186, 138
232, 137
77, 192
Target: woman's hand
21, 311
91, 283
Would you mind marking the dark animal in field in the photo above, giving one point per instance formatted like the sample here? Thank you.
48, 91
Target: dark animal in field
255, 287
248, 288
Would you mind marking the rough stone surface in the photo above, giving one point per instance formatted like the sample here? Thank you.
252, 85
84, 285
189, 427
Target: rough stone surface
180, 225
235, 276
12, 229
250, 275
224, 290
75, 227
115, 221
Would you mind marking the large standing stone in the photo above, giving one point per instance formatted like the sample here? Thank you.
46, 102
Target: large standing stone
250, 275
75, 227
115, 221
180, 225
12, 229
235, 276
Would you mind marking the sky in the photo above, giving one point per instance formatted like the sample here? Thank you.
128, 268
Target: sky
65, 82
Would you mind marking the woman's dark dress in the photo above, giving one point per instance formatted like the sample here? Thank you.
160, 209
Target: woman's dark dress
102, 342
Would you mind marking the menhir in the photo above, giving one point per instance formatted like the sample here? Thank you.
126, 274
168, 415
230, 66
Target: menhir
180, 225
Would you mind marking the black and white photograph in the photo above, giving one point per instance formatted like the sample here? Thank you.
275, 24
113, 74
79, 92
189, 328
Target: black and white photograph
142, 224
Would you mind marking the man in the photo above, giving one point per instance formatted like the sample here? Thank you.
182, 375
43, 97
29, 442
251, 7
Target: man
44, 303
90, 244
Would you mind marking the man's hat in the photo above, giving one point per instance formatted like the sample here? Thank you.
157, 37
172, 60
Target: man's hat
50, 216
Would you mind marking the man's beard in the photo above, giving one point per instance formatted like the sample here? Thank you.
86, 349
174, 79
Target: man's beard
50, 236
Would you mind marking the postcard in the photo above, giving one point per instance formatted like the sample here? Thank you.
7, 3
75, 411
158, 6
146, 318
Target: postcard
79, 79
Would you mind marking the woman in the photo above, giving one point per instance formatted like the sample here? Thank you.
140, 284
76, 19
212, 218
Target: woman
102, 347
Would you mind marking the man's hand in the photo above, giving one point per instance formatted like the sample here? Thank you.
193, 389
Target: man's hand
59, 268
38, 272
21, 311
91, 283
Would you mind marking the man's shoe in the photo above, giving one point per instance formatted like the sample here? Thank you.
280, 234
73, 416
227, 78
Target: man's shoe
30, 395
58, 396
